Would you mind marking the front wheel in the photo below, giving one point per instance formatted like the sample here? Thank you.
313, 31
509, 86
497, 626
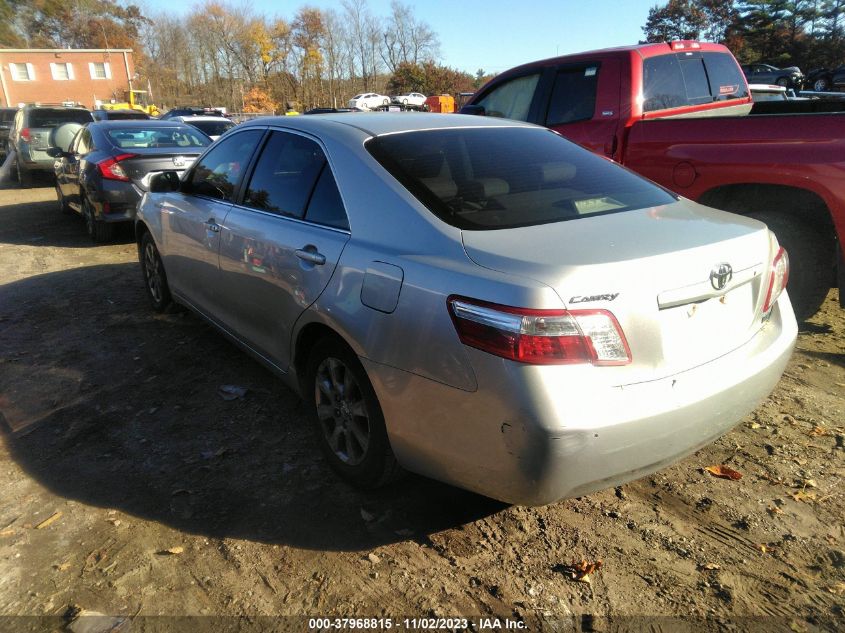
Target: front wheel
155, 279
346, 416
821, 85
783, 82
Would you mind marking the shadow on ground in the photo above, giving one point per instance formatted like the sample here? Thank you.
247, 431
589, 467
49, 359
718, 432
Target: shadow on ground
109, 404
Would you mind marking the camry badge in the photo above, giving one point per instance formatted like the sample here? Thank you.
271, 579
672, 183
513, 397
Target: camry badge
721, 275
178, 161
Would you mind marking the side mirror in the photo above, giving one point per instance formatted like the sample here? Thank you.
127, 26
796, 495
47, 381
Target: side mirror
165, 182
55, 152
478, 110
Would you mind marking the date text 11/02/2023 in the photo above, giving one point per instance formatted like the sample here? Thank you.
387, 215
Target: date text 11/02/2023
416, 624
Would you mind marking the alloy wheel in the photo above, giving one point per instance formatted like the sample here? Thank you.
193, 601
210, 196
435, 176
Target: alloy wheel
152, 271
341, 411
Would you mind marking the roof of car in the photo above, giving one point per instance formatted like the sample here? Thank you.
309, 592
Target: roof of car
376, 123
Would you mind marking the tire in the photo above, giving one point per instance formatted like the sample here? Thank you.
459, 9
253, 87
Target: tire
811, 264
821, 84
63, 206
155, 279
98, 230
346, 416
24, 177
783, 82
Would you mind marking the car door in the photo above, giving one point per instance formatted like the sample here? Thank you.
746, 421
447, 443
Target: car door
192, 218
281, 244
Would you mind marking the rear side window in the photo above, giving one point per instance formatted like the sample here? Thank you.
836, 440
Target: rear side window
573, 95
53, 117
285, 175
511, 100
326, 207
684, 79
212, 128
217, 174
503, 177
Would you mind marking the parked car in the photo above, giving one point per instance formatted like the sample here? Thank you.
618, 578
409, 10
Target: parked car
822, 79
212, 126
7, 115
107, 167
192, 111
410, 99
661, 109
120, 115
765, 74
530, 321
30, 135
368, 101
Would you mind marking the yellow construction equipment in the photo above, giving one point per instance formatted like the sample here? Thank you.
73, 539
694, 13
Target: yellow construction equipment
134, 100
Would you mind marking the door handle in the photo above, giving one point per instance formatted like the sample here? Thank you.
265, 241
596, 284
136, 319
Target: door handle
310, 254
212, 225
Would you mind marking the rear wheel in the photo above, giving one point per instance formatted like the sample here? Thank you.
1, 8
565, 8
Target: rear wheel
821, 84
783, 82
98, 230
811, 265
155, 279
24, 177
346, 416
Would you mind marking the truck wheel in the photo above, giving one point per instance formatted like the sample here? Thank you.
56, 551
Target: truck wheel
346, 416
783, 82
811, 262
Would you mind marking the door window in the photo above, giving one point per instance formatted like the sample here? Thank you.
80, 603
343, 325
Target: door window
511, 100
573, 95
285, 175
217, 174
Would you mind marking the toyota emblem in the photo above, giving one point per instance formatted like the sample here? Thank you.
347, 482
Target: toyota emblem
721, 275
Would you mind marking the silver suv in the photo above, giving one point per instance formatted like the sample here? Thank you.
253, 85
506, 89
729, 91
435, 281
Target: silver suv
30, 137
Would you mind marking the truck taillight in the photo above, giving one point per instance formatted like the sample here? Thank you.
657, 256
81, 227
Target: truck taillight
777, 279
26, 135
111, 169
540, 337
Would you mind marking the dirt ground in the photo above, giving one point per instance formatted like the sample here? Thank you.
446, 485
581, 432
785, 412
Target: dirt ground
130, 487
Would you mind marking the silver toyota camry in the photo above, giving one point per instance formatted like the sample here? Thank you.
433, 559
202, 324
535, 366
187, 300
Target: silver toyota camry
476, 300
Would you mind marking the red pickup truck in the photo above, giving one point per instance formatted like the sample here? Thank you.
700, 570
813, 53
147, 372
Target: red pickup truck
680, 113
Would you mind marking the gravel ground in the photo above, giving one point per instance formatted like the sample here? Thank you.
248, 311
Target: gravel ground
129, 487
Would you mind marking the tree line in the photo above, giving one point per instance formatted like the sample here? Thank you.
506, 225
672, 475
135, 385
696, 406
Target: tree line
223, 54
805, 33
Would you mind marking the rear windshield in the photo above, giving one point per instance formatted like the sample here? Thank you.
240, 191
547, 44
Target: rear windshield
690, 78
7, 115
212, 128
496, 178
52, 117
155, 137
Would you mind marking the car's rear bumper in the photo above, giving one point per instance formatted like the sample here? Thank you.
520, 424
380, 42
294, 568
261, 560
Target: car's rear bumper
115, 201
523, 438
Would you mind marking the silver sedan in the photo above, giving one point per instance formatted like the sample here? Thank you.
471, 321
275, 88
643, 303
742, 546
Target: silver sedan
476, 300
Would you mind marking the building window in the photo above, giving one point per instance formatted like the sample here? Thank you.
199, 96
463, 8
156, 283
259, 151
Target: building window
100, 70
62, 71
22, 72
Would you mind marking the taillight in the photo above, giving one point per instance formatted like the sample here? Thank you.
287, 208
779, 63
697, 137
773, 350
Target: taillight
26, 135
540, 337
110, 167
777, 279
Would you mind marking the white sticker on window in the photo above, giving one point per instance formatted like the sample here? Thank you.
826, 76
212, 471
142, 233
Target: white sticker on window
590, 72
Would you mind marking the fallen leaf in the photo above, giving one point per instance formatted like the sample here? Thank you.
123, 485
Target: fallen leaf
710, 566
373, 558
818, 431
173, 551
63, 566
723, 472
49, 520
6, 533
804, 496
837, 589
809, 483
580, 572
754, 425
773, 510
765, 549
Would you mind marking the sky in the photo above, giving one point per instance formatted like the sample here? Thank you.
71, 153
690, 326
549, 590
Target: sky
491, 34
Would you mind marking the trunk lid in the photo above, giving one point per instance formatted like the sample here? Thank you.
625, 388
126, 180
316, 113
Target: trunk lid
658, 270
147, 162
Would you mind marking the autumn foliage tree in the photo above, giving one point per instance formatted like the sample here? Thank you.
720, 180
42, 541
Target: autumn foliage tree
257, 100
